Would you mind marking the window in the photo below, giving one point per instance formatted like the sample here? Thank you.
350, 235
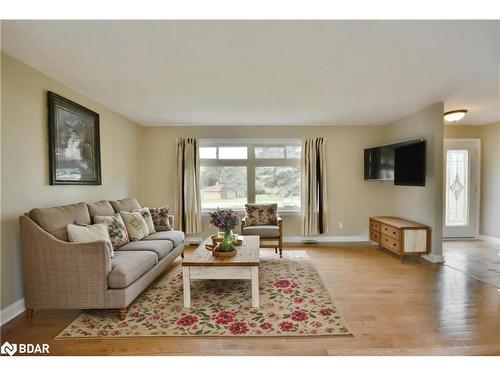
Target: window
233, 173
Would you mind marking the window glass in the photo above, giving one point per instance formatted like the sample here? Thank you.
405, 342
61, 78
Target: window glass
293, 152
235, 153
223, 186
208, 152
269, 152
279, 185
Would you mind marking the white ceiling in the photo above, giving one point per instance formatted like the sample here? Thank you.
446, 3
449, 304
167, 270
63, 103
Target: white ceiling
269, 72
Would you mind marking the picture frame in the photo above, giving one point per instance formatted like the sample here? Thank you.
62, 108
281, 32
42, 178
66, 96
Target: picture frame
74, 143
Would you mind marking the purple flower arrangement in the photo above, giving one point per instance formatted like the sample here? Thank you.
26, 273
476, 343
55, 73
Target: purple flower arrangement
224, 220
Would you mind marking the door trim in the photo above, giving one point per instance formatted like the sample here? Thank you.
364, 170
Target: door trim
477, 143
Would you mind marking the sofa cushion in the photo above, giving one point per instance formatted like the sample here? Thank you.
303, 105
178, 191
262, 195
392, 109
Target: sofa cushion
136, 225
160, 218
128, 266
90, 233
161, 248
146, 215
101, 208
55, 219
125, 204
116, 227
261, 214
175, 236
269, 231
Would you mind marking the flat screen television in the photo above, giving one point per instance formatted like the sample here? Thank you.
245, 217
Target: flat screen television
379, 163
409, 163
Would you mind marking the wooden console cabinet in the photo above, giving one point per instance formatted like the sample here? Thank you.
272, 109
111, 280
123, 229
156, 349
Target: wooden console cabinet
400, 236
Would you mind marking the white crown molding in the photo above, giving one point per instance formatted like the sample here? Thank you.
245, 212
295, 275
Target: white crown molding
11, 311
491, 239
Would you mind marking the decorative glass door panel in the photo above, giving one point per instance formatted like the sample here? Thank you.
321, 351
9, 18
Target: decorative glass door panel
460, 187
457, 185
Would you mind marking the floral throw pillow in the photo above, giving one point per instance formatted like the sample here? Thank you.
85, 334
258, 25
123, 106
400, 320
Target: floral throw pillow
146, 215
136, 225
261, 214
116, 227
160, 218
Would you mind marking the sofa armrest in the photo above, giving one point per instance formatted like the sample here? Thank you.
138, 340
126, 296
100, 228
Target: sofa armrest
59, 274
171, 220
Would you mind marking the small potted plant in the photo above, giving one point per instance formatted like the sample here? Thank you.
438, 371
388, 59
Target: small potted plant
225, 221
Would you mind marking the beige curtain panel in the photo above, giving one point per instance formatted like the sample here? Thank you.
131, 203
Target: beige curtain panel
187, 196
314, 189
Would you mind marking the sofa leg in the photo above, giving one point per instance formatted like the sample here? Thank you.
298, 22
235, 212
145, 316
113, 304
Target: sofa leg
276, 250
122, 313
29, 313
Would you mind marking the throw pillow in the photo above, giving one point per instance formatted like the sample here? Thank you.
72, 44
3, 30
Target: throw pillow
136, 225
261, 214
116, 228
90, 233
146, 215
160, 218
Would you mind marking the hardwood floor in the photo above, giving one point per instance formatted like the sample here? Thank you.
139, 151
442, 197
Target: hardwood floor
479, 259
392, 308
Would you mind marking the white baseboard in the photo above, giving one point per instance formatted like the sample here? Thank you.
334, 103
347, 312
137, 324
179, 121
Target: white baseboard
324, 239
434, 258
11, 311
491, 239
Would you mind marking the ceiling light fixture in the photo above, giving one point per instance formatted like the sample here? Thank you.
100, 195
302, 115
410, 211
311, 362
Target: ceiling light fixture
454, 116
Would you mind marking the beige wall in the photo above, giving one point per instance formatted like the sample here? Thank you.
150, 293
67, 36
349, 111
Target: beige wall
462, 131
25, 170
489, 222
490, 180
422, 203
351, 200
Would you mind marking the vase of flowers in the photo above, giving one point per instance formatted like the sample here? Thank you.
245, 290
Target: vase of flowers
226, 221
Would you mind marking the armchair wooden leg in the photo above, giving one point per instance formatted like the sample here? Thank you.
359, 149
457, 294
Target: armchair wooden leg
29, 313
281, 252
182, 255
122, 313
276, 250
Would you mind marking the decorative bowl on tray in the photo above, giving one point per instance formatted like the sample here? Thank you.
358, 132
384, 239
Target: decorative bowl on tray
215, 249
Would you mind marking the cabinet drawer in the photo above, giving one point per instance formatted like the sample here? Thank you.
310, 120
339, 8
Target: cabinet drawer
374, 226
390, 231
375, 236
390, 242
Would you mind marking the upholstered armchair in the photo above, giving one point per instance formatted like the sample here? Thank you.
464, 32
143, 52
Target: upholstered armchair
269, 229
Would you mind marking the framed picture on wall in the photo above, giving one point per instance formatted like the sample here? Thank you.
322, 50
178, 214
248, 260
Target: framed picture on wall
74, 148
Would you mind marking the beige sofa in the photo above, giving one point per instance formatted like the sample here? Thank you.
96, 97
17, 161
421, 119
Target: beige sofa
63, 275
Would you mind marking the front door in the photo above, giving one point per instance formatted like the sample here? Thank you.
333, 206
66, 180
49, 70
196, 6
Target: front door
461, 187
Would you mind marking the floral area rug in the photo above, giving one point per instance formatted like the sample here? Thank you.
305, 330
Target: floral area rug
293, 302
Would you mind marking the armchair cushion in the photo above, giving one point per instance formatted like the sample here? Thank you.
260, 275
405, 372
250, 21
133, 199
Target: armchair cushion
261, 214
269, 231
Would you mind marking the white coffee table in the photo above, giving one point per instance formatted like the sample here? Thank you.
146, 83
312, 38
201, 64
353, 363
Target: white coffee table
202, 265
